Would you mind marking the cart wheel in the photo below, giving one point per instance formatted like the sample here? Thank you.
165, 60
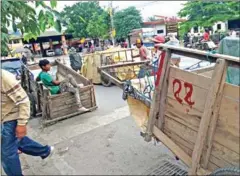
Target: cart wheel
32, 105
226, 171
105, 82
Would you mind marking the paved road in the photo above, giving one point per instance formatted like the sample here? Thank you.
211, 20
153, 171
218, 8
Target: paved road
102, 142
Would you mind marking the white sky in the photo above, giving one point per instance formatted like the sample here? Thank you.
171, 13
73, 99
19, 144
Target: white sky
147, 8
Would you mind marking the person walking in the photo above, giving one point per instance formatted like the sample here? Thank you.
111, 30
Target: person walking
14, 118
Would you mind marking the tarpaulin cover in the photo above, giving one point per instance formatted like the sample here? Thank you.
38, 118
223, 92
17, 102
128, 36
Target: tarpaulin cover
231, 46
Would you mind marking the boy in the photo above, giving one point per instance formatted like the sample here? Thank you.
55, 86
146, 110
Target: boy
14, 118
57, 87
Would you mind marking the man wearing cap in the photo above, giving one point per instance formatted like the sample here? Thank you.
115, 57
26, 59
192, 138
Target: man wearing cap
143, 51
143, 54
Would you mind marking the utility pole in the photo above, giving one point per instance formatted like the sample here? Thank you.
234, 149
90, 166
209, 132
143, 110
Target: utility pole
111, 17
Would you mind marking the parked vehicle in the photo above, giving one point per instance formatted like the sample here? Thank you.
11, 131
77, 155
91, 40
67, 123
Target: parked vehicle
50, 52
14, 65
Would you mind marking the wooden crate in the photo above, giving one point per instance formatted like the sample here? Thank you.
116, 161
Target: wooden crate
62, 106
196, 115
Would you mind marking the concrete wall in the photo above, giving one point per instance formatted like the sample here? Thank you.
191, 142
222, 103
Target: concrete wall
160, 27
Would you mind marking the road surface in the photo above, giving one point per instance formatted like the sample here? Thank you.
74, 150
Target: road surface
102, 142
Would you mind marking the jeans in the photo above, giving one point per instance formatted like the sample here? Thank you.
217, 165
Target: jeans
10, 146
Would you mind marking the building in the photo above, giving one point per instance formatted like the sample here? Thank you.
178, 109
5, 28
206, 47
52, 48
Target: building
15, 40
50, 39
219, 26
163, 25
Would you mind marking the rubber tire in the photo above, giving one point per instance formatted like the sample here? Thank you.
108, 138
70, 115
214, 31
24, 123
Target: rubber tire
105, 82
32, 104
226, 171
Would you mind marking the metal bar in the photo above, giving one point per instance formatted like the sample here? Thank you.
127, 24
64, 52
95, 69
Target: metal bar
201, 55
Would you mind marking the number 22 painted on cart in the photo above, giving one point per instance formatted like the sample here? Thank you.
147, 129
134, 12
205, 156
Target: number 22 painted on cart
188, 91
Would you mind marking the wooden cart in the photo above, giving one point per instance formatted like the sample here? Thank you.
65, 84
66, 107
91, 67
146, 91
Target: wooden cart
91, 62
195, 114
61, 106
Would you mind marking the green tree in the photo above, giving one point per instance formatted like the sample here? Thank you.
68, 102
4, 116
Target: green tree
152, 18
205, 14
82, 15
126, 20
21, 16
97, 27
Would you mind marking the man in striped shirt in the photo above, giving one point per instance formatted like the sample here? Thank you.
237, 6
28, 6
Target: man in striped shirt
14, 117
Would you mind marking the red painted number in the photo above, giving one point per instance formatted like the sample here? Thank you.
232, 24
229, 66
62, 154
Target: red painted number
176, 93
188, 91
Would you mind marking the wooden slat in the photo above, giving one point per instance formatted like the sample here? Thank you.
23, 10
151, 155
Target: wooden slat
164, 90
199, 95
112, 79
202, 70
207, 74
183, 131
214, 118
193, 78
175, 137
154, 108
226, 139
225, 154
123, 64
48, 122
205, 121
231, 91
220, 162
172, 146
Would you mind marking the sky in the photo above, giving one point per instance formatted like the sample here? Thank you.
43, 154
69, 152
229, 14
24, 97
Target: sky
147, 8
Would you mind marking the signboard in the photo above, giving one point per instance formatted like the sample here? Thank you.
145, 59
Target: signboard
172, 28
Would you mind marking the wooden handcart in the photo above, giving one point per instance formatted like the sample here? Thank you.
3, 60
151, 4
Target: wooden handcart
61, 106
195, 114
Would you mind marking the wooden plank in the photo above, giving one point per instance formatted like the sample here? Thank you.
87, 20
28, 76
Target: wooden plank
79, 78
164, 90
68, 110
210, 104
202, 70
123, 64
214, 118
231, 91
225, 154
212, 166
198, 95
172, 146
154, 108
189, 121
219, 162
193, 78
113, 80
176, 138
198, 54
48, 122
226, 139
207, 74
183, 131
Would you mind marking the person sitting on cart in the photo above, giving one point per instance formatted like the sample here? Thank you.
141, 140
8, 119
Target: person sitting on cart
144, 55
57, 87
